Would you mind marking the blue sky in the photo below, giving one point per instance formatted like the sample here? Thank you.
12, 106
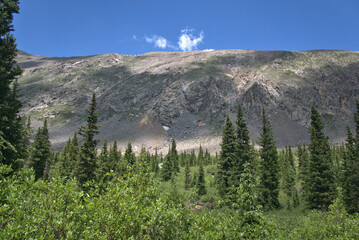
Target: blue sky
87, 27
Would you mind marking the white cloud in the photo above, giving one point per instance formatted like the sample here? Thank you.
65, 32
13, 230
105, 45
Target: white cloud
188, 42
158, 41
134, 37
208, 50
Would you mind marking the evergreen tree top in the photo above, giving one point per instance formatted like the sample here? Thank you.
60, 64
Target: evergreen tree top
228, 145
242, 130
266, 139
7, 9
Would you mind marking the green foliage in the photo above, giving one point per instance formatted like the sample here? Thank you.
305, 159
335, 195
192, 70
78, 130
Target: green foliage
68, 157
269, 178
200, 158
174, 156
170, 164
187, 176
201, 183
129, 157
40, 152
227, 157
86, 159
350, 169
244, 153
289, 177
319, 181
11, 128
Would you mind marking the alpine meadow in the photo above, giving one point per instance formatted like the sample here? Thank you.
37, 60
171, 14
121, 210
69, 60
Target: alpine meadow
229, 144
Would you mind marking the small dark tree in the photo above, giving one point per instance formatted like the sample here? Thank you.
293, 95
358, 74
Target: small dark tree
103, 162
288, 177
269, 182
174, 156
200, 157
40, 151
207, 157
187, 176
68, 157
167, 167
129, 157
201, 183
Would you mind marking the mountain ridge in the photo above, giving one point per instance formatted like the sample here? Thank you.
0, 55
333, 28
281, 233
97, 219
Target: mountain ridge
140, 96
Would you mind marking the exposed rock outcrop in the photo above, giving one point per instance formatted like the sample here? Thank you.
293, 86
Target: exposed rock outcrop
190, 93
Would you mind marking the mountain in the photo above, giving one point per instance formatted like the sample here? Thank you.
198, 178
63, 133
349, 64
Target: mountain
150, 98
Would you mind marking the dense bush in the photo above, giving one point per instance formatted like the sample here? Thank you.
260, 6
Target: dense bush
128, 207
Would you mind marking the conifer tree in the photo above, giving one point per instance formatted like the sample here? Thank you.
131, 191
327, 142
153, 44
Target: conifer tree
288, 177
227, 157
40, 151
63, 166
187, 176
155, 162
200, 158
11, 127
192, 158
103, 162
86, 162
129, 157
319, 180
201, 183
351, 168
115, 162
269, 181
244, 153
174, 156
303, 160
68, 157
167, 166
247, 203
207, 157
144, 160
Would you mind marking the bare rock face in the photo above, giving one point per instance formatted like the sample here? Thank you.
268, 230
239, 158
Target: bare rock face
150, 98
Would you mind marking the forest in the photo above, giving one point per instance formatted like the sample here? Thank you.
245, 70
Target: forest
88, 191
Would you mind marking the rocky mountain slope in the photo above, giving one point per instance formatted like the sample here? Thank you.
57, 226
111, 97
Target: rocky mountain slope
150, 98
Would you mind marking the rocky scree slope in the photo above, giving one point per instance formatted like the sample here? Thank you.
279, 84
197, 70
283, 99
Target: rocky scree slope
150, 98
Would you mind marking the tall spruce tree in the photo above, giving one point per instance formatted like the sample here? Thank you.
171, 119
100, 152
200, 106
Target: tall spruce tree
244, 151
269, 182
40, 151
86, 162
351, 168
11, 128
319, 180
227, 157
